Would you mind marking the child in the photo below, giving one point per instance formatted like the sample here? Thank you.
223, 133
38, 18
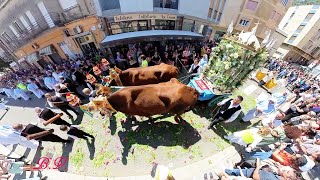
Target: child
75, 133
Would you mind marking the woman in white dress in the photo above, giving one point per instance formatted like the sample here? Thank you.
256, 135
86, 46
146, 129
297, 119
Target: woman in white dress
34, 88
50, 82
21, 93
10, 93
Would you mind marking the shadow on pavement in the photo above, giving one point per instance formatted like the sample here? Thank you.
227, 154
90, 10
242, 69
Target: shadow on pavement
79, 118
156, 134
91, 147
34, 102
113, 125
14, 147
66, 150
203, 110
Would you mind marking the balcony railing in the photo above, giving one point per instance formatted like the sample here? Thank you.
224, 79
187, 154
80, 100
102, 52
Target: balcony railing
41, 25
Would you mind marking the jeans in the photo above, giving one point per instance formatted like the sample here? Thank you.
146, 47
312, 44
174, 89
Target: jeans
264, 175
236, 172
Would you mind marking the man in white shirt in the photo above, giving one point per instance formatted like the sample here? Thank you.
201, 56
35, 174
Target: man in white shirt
273, 120
229, 111
9, 136
195, 68
49, 81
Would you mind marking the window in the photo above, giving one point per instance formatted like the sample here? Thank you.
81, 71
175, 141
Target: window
215, 14
31, 18
292, 39
188, 25
45, 14
317, 35
300, 28
243, 22
315, 51
275, 16
252, 5
315, 6
164, 25
68, 4
272, 14
285, 25
109, 4
292, 15
210, 12
284, 2
309, 16
279, 53
25, 23
17, 27
6, 37
311, 44
14, 31
170, 4
219, 16
128, 26
305, 47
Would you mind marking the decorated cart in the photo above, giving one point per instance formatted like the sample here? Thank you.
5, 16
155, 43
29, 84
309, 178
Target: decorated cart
231, 62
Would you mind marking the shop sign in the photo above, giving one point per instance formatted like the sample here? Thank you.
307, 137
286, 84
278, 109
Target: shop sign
131, 17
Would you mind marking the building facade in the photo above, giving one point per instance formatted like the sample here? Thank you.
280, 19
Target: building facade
39, 32
302, 24
123, 17
246, 13
209, 18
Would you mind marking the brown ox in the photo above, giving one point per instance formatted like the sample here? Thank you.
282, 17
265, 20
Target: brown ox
148, 100
148, 75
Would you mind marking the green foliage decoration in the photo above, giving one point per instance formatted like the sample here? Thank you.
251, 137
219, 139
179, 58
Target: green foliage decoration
230, 63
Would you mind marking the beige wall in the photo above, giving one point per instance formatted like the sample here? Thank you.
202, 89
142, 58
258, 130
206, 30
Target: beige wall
308, 38
280, 36
56, 35
236, 10
231, 12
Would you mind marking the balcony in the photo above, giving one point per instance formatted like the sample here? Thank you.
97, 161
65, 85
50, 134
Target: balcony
27, 34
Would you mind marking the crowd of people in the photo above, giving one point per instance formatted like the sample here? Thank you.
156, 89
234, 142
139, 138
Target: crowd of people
55, 82
193, 55
285, 143
69, 74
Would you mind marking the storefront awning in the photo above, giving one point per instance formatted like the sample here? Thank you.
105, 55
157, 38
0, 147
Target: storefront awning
33, 57
151, 35
46, 51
